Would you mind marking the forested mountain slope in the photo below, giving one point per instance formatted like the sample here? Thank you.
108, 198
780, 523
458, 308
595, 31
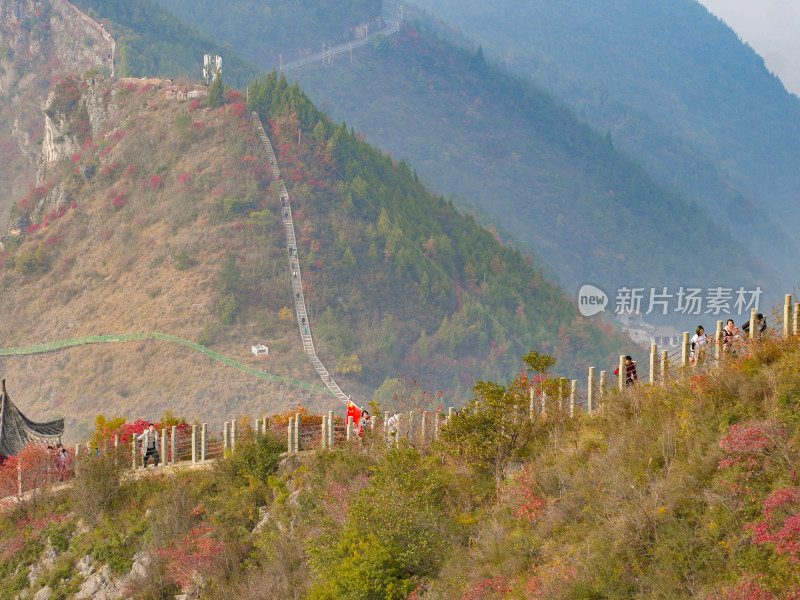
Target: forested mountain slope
475, 131
166, 220
675, 88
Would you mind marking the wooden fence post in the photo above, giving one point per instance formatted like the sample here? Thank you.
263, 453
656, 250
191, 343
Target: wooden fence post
204, 442
623, 371
331, 431
423, 434
163, 447
19, 477
77, 451
796, 319
135, 451
233, 435
348, 428
753, 314
653, 362
226, 435
664, 365
116, 440
602, 389
572, 393
590, 393
685, 349
290, 436
718, 339
174, 443
324, 433
787, 316
194, 444
297, 432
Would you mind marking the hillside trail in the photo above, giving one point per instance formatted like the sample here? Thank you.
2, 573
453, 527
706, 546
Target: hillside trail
294, 265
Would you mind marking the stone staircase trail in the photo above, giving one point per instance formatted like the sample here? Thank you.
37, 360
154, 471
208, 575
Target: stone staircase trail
303, 322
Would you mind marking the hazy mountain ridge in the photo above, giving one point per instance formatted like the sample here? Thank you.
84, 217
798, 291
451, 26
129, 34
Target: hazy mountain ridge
677, 90
590, 211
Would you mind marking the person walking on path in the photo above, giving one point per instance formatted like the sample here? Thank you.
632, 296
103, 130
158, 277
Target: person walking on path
630, 371
150, 445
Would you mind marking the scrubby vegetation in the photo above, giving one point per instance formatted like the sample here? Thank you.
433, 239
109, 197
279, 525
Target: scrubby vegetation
683, 491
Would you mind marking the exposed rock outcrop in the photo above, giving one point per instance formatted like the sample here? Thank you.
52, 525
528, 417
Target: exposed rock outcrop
41, 42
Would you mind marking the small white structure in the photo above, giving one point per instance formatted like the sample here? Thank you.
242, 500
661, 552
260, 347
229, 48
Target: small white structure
260, 350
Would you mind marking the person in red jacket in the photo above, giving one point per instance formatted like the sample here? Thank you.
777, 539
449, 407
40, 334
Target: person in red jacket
630, 371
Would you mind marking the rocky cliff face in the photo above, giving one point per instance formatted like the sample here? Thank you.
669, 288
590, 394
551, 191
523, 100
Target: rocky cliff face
41, 42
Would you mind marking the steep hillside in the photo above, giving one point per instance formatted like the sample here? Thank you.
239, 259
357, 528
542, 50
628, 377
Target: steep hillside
683, 491
41, 41
162, 218
676, 88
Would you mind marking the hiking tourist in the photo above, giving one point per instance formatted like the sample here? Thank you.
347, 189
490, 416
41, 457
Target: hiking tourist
150, 445
761, 325
698, 344
730, 335
630, 371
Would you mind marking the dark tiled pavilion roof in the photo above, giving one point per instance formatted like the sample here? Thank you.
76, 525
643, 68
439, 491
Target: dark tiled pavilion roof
17, 430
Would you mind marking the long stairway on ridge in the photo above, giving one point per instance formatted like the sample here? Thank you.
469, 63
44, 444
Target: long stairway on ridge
294, 266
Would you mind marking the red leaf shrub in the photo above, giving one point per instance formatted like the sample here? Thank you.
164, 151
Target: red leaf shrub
154, 182
781, 524
190, 556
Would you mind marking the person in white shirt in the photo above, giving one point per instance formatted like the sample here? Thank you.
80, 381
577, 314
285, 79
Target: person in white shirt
699, 343
149, 439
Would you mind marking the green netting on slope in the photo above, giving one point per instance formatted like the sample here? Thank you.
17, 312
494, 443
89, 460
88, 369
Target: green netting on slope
126, 337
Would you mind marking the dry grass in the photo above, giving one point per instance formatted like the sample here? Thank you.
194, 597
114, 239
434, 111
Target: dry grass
112, 270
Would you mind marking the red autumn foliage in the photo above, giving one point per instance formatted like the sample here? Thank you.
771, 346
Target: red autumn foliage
237, 108
748, 588
781, 523
153, 182
131, 170
488, 589
35, 465
190, 556
195, 105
